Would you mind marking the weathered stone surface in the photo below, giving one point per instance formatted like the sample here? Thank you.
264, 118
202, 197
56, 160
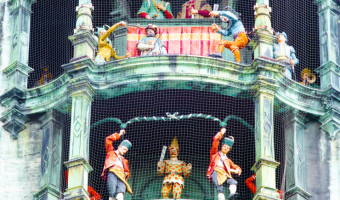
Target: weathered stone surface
20, 163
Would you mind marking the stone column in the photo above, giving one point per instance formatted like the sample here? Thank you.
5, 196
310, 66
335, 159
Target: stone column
263, 40
83, 41
51, 156
330, 84
265, 166
78, 165
328, 31
17, 72
295, 157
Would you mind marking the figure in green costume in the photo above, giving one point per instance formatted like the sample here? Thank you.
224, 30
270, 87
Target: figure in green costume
155, 9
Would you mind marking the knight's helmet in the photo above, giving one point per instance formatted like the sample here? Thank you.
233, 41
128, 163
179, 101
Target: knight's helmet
174, 144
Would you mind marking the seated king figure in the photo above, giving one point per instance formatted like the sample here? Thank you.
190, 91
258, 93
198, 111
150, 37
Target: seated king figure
150, 45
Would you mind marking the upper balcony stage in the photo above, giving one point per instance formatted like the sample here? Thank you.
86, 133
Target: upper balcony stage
172, 72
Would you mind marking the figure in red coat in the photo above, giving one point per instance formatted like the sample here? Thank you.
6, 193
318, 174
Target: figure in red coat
221, 167
252, 187
116, 168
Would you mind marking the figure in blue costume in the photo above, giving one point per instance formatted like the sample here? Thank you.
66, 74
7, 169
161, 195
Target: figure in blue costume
285, 54
151, 45
235, 29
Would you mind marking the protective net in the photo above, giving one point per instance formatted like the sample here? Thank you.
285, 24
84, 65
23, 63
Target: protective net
53, 21
302, 28
194, 136
51, 24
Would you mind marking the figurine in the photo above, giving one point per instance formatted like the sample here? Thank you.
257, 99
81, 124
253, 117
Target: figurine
105, 50
221, 167
151, 45
93, 194
155, 9
46, 77
235, 29
116, 168
195, 9
307, 77
252, 187
285, 54
173, 170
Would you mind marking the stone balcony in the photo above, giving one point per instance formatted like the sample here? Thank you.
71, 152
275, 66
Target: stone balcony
171, 72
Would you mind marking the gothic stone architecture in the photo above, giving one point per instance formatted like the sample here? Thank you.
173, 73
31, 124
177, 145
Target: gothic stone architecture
32, 125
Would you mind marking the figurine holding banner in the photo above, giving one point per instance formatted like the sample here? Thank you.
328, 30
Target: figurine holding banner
235, 29
173, 170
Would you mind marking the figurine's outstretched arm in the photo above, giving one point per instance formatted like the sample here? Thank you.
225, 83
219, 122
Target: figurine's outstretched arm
229, 14
111, 29
109, 141
216, 142
112, 138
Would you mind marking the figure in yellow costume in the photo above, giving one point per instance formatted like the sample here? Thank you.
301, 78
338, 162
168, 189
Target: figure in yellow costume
173, 170
307, 77
105, 50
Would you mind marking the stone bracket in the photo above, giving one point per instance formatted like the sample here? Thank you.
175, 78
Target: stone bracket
297, 191
266, 162
17, 75
265, 193
45, 191
78, 161
76, 194
331, 123
14, 121
79, 66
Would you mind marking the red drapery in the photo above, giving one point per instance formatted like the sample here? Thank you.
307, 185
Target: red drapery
198, 40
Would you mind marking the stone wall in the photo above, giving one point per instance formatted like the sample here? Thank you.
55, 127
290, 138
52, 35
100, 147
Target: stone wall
317, 161
19, 158
20, 163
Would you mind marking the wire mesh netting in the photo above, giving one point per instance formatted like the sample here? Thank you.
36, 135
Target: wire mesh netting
194, 137
52, 22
